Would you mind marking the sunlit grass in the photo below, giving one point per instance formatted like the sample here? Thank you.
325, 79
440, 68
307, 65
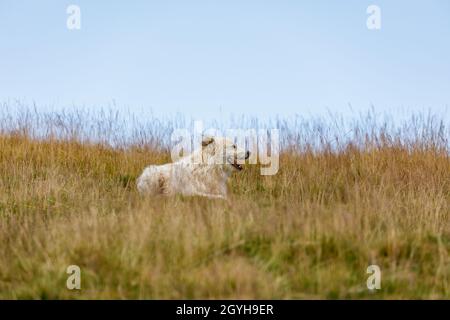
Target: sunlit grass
342, 200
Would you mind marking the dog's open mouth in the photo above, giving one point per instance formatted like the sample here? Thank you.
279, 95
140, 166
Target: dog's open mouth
237, 166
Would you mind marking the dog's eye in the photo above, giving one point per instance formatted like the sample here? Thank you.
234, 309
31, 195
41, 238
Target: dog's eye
234, 146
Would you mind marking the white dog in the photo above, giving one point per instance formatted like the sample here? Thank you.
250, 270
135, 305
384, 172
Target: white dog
202, 173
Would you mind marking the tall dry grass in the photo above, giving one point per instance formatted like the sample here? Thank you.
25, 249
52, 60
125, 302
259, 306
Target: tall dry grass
344, 198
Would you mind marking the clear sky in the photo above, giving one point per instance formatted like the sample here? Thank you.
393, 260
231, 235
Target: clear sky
206, 58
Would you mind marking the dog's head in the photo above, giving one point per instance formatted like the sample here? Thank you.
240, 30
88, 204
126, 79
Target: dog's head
220, 150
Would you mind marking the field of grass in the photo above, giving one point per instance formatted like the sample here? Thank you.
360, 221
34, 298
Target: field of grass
310, 231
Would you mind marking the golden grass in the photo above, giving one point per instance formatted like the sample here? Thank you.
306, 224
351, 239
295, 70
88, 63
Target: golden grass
308, 232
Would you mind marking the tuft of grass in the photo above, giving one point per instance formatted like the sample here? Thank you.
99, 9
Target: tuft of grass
335, 207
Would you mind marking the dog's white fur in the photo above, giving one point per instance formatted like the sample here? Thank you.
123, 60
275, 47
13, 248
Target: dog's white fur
203, 173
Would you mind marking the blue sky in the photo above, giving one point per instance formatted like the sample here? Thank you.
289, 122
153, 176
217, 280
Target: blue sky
209, 58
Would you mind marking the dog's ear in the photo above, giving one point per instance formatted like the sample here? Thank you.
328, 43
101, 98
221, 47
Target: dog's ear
207, 140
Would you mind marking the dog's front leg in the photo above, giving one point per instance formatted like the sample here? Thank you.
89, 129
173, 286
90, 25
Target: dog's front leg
212, 196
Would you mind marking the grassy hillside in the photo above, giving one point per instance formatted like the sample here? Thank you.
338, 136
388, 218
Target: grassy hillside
308, 232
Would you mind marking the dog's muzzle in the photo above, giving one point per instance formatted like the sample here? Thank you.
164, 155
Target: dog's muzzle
238, 166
